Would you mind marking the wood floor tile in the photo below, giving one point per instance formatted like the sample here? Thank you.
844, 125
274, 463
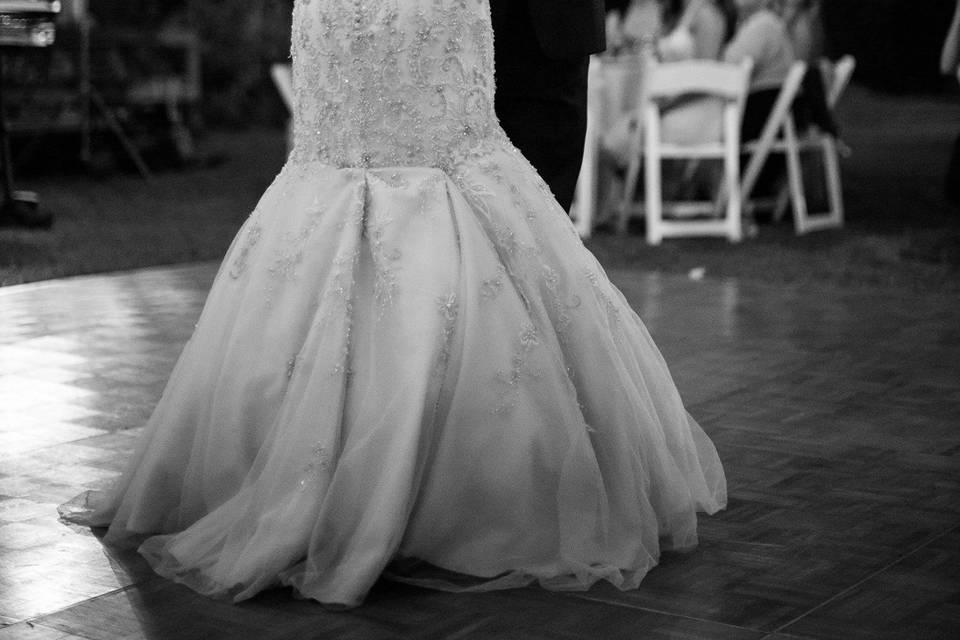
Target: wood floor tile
33, 631
835, 414
17, 441
751, 584
46, 566
19, 510
916, 597
393, 611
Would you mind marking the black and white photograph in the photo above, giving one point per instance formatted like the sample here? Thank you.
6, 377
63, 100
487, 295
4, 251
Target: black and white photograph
479, 319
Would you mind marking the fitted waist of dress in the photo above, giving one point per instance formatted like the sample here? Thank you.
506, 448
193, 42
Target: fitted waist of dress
440, 154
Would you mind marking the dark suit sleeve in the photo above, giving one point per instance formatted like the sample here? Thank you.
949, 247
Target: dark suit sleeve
569, 29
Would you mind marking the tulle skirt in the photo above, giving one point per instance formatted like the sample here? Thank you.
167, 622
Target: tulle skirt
409, 362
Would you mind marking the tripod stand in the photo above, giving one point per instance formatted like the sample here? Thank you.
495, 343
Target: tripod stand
24, 24
18, 207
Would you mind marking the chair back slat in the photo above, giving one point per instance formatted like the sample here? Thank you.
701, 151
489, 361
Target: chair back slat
696, 77
727, 81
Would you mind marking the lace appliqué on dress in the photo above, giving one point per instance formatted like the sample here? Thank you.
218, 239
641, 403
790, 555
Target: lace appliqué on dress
527, 340
448, 307
289, 256
409, 98
250, 239
316, 467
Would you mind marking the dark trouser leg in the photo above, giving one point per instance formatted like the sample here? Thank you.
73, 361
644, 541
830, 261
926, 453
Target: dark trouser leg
755, 113
550, 134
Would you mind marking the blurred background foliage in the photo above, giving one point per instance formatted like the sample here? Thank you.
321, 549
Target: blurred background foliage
241, 39
896, 42
900, 122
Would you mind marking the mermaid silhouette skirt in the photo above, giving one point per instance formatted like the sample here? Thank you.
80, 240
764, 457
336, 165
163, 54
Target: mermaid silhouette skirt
408, 354
412, 363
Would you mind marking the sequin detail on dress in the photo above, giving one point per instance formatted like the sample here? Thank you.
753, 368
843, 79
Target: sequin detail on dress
384, 82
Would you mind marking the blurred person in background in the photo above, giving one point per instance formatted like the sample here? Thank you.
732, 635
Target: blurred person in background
950, 65
950, 56
618, 7
699, 30
615, 9
677, 29
804, 22
760, 35
642, 24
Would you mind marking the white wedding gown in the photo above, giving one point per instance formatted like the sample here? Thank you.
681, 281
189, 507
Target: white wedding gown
408, 353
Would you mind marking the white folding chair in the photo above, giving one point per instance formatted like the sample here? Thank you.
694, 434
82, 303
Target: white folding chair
282, 75
663, 82
838, 76
780, 136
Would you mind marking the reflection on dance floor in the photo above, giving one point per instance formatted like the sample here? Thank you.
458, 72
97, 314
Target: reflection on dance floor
835, 413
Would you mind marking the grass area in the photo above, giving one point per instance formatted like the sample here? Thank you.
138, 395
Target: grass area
901, 234
123, 222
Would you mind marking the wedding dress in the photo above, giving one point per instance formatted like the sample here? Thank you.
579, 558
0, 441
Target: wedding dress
408, 353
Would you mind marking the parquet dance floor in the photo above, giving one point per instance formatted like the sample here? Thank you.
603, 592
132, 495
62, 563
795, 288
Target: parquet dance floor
837, 416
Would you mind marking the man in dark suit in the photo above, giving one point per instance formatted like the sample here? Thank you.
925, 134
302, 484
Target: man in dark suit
542, 50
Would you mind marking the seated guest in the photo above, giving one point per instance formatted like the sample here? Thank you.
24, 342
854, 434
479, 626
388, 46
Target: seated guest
950, 54
950, 65
761, 36
642, 23
618, 7
805, 28
699, 32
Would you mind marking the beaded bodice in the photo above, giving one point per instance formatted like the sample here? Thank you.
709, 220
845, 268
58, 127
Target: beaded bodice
391, 82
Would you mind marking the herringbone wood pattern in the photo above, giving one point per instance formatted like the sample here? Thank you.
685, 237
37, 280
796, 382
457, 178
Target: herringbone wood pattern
837, 416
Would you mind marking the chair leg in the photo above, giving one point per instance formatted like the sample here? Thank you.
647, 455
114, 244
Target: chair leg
654, 211
731, 169
114, 125
635, 153
795, 176
586, 195
783, 201
834, 190
734, 221
179, 133
629, 192
690, 169
653, 187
